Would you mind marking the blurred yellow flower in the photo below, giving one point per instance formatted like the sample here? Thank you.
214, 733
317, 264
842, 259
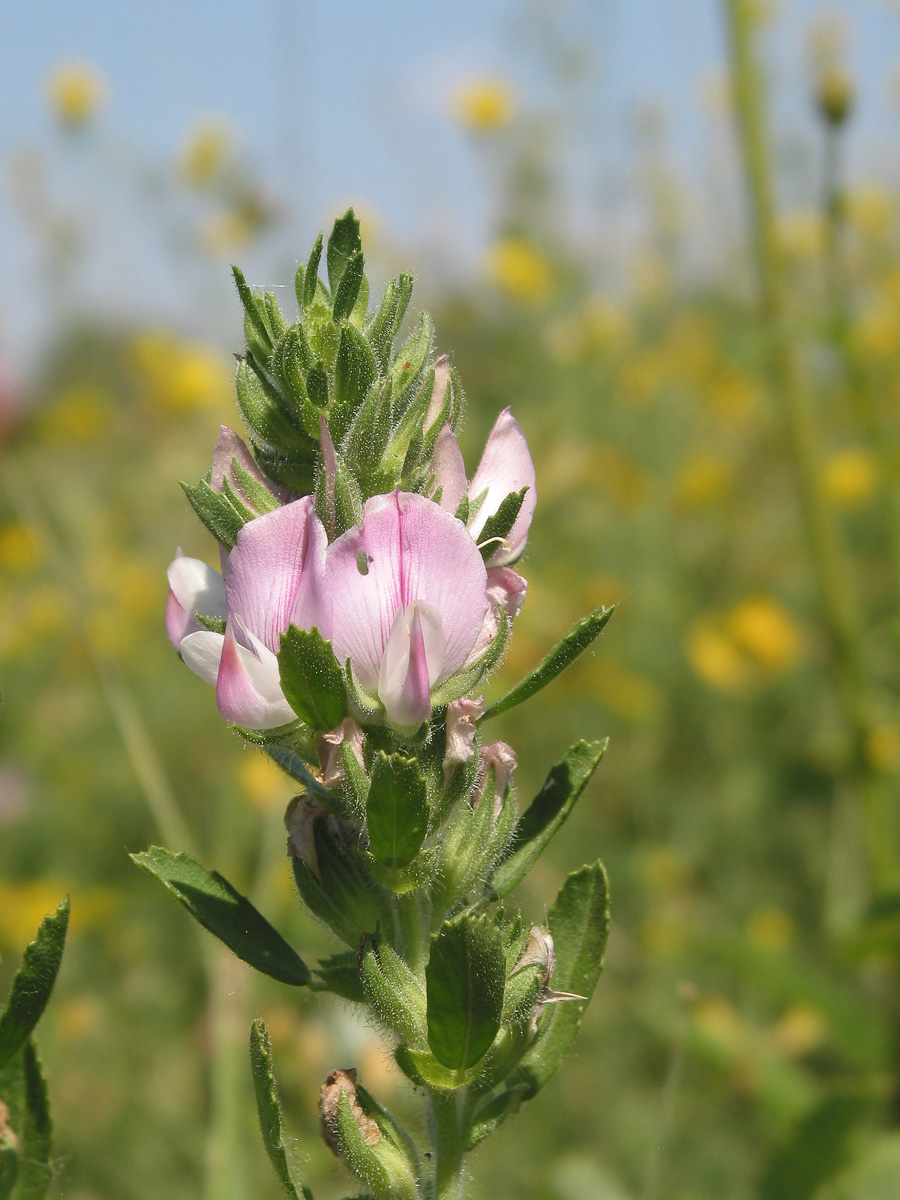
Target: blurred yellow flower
181, 376
876, 331
870, 209
261, 780
484, 105
75, 91
77, 1017
607, 324
733, 396
850, 477
38, 615
520, 269
77, 414
205, 152
719, 1021
765, 632
24, 905
715, 658
883, 746
802, 1028
630, 695
703, 482
770, 929
20, 548
801, 235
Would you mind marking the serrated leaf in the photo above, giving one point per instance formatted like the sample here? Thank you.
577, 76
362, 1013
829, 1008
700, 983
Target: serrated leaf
343, 243
271, 1121
563, 654
215, 511
396, 809
465, 978
33, 982
311, 275
499, 524
579, 926
545, 815
348, 289
311, 679
220, 908
36, 1138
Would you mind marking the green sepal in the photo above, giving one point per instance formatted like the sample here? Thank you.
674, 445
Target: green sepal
254, 310
291, 360
347, 292
348, 503
383, 1167
264, 414
27, 1168
214, 510
33, 982
411, 356
343, 243
465, 979
271, 1121
393, 991
311, 274
491, 1115
355, 370
317, 386
579, 925
276, 319
356, 782
292, 764
499, 524
423, 1070
404, 449
545, 815
294, 473
243, 511
471, 844
563, 654
311, 678
257, 494
387, 321
396, 809
344, 894
340, 974
229, 916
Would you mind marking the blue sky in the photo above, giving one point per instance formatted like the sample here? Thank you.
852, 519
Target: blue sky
349, 101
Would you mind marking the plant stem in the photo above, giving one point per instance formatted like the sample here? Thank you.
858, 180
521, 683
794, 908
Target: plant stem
447, 1120
838, 610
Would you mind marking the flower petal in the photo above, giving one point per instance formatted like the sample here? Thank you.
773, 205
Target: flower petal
248, 688
193, 587
449, 469
438, 391
406, 549
404, 686
505, 467
202, 652
230, 447
275, 573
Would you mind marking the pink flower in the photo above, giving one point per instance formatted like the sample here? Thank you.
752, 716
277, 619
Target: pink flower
193, 588
230, 448
505, 467
461, 723
409, 592
274, 578
502, 758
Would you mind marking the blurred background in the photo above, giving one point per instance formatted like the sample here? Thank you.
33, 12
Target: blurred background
699, 330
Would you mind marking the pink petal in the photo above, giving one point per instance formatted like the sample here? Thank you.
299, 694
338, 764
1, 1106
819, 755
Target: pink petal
248, 688
407, 549
193, 587
228, 447
404, 686
449, 469
461, 723
276, 573
505, 467
507, 589
438, 392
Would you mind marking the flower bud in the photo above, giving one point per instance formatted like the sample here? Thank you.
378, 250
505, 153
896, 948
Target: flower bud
834, 95
461, 725
373, 1149
393, 991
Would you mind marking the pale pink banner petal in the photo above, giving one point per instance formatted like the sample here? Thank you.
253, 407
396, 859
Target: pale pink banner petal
248, 690
505, 467
449, 470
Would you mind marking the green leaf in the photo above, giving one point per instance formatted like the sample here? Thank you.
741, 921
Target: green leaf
253, 307
396, 809
264, 416
343, 244
33, 982
343, 893
411, 356
500, 523
317, 386
464, 983
561, 656
545, 815
389, 318
296, 473
490, 1116
311, 276
423, 1069
217, 514
311, 679
579, 925
393, 991
354, 368
340, 974
348, 289
211, 900
268, 1106
36, 1137
257, 494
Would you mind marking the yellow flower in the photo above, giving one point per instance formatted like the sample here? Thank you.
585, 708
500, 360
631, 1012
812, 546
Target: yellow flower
520, 269
20, 550
801, 1029
715, 658
703, 482
261, 780
876, 330
181, 376
720, 1022
733, 397
850, 477
485, 105
204, 152
883, 746
870, 210
78, 414
765, 632
75, 92
770, 929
